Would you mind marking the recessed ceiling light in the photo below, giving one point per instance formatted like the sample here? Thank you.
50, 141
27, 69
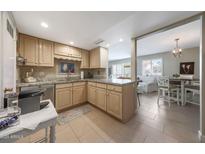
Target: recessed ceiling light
45, 25
71, 42
121, 40
107, 45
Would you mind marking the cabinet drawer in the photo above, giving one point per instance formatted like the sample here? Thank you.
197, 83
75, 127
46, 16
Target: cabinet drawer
100, 85
79, 84
91, 83
114, 88
58, 86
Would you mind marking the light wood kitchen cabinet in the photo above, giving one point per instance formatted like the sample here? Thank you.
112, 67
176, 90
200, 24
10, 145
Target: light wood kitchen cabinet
117, 100
114, 103
67, 52
63, 98
101, 98
75, 52
46, 56
79, 94
85, 59
61, 49
92, 94
37, 52
28, 48
99, 58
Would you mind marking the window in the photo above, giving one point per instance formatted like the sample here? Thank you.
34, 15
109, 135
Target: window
152, 67
121, 71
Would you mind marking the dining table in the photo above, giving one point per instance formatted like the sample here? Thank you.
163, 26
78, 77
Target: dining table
181, 82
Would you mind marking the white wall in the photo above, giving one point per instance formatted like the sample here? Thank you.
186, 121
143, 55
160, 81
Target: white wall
1, 63
171, 64
8, 55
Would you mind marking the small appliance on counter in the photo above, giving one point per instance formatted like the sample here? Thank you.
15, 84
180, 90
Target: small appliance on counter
82, 75
29, 78
10, 99
29, 101
9, 115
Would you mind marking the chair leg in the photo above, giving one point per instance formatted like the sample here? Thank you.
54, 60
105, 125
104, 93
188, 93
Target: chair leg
158, 97
178, 97
138, 99
169, 99
185, 96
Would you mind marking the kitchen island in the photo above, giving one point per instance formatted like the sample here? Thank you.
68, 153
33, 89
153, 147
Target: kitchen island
31, 123
116, 97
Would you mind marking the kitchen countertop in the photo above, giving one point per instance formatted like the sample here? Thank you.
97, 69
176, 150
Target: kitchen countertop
107, 81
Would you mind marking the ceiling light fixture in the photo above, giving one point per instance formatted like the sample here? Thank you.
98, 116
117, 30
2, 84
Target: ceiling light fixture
177, 51
45, 25
121, 40
107, 45
71, 42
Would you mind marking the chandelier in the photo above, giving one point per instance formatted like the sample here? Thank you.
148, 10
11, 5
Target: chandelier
177, 51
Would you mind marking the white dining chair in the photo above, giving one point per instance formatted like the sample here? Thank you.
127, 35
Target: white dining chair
167, 91
192, 91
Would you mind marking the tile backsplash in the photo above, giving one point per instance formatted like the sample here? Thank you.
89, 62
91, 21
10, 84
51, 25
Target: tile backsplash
52, 73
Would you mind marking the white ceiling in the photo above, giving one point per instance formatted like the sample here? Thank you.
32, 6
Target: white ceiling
188, 34
84, 28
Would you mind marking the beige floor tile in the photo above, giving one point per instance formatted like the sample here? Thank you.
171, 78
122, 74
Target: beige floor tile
66, 136
80, 126
150, 124
91, 137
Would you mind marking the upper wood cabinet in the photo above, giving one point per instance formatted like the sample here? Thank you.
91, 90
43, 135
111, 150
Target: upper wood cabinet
85, 59
67, 52
99, 58
74, 52
37, 52
61, 49
28, 48
46, 56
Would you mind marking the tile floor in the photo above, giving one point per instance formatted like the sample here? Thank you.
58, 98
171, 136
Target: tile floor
150, 124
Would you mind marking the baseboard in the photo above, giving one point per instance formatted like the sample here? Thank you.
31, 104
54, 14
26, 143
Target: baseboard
201, 137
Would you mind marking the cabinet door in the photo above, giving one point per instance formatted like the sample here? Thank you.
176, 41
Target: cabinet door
79, 94
91, 95
46, 53
63, 98
95, 58
29, 49
101, 98
85, 59
92, 61
61, 49
114, 104
75, 52
103, 58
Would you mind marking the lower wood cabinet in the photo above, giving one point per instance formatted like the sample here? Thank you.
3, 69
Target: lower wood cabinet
79, 94
101, 95
114, 104
118, 101
91, 94
63, 98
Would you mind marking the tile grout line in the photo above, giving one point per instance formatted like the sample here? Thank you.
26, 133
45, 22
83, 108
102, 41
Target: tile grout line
74, 133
